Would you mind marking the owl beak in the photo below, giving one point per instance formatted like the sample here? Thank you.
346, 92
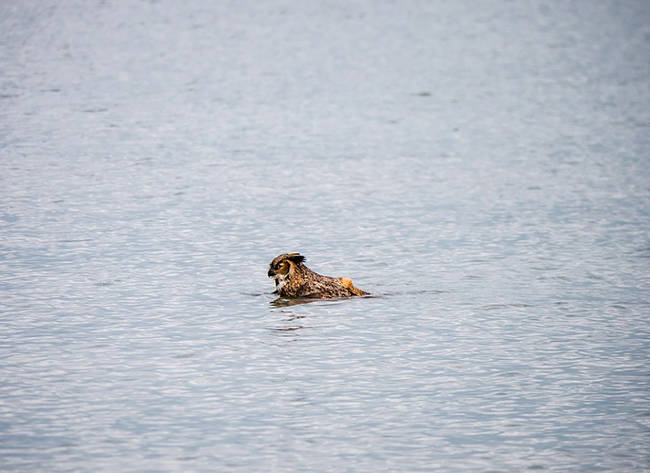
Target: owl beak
271, 273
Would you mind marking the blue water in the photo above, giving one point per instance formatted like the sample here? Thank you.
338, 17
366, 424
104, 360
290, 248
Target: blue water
481, 169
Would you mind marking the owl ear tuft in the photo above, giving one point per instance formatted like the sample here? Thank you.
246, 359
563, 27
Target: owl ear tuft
296, 257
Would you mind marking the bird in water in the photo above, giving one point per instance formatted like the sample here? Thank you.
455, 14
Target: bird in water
294, 279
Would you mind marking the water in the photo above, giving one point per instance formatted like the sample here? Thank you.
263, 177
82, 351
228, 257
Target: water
481, 169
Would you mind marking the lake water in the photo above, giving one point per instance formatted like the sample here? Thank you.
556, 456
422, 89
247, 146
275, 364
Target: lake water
481, 168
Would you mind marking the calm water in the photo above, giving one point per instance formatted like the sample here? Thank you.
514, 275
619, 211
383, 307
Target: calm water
482, 169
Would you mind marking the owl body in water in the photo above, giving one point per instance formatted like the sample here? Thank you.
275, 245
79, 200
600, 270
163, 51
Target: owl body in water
294, 279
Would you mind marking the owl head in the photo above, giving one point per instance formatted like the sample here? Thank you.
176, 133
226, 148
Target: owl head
283, 264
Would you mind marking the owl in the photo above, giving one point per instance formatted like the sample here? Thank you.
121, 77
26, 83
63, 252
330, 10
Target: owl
294, 279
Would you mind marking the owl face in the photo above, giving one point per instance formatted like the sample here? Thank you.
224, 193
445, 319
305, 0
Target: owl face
281, 266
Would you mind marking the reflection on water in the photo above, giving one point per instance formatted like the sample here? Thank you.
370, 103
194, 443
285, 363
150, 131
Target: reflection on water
287, 302
481, 168
290, 324
289, 329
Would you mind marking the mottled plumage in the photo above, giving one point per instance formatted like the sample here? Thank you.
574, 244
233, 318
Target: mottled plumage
294, 279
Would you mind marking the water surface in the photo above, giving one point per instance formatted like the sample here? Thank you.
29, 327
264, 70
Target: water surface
482, 170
